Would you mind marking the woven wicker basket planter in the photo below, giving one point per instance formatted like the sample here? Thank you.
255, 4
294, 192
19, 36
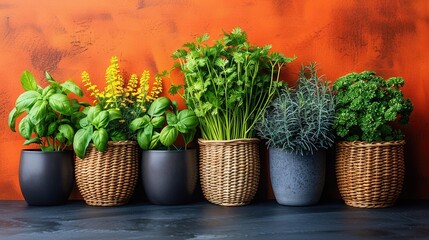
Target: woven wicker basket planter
108, 178
370, 175
229, 170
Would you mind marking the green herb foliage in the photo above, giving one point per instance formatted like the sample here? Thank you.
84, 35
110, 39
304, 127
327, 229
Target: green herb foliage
367, 105
229, 84
161, 125
300, 120
98, 126
51, 116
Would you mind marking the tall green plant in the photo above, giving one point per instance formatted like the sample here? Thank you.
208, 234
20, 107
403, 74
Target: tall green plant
368, 105
51, 116
301, 120
229, 84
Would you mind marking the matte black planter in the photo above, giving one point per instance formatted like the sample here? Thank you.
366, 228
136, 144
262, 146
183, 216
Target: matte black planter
169, 176
46, 178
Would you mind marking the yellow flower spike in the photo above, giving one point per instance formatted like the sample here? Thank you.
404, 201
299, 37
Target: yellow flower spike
129, 96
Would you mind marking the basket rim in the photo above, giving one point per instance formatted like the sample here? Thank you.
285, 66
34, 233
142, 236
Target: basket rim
370, 144
202, 141
118, 143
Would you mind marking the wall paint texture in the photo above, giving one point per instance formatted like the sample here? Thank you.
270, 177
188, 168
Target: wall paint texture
65, 37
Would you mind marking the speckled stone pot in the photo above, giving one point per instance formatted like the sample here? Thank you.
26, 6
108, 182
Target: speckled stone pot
297, 180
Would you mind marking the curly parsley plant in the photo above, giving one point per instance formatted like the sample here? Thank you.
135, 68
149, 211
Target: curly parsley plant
368, 105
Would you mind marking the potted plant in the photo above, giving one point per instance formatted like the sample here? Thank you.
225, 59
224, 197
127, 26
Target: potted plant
298, 128
228, 85
46, 175
169, 174
106, 150
370, 157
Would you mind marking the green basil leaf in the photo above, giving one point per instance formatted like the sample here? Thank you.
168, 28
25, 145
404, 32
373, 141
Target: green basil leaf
139, 123
60, 103
158, 122
171, 118
187, 118
175, 106
81, 140
47, 92
114, 114
51, 117
93, 112
182, 127
75, 119
11, 121
33, 140
118, 136
67, 131
28, 81
47, 148
70, 86
75, 106
101, 120
26, 100
154, 141
100, 139
189, 136
159, 106
49, 77
144, 137
38, 111
40, 129
52, 128
65, 120
168, 135
85, 110
25, 128
60, 137
84, 122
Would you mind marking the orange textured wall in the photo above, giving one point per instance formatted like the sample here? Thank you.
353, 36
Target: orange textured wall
65, 37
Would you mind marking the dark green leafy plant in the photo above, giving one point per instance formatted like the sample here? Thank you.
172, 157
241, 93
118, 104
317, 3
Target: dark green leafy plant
368, 105
153, 133
300, 120
51, 116
96, 126
229, 84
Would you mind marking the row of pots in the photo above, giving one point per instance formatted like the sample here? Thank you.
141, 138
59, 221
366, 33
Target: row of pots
168, 177
369, 175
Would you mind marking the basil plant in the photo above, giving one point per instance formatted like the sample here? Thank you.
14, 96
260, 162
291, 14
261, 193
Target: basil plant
51, 116
96, 127
162, 123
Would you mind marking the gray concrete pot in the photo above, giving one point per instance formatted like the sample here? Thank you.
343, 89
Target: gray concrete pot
297, 180
46, 178
169, 176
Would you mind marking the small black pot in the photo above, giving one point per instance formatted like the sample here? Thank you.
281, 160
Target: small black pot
46, 178
169, 176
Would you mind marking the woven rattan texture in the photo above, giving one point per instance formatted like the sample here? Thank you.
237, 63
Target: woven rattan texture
108, 178
229, 170
370, 175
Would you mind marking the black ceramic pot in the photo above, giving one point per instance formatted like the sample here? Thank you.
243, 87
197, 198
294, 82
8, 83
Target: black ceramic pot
46, 178
169, 177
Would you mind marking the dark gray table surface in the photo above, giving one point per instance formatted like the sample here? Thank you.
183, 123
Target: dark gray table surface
202, 220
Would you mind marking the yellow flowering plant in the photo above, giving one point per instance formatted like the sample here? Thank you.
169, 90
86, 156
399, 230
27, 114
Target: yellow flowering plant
115, 107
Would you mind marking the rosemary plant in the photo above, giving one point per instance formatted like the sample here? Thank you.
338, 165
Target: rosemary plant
300, 120
230, 84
